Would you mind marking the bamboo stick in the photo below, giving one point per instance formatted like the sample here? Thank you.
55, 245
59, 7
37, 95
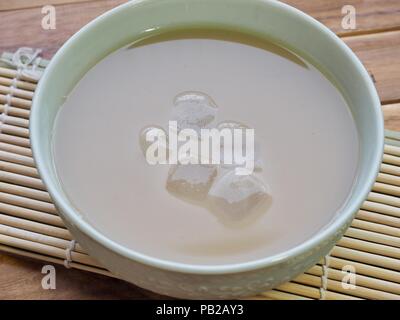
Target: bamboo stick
18, 141
280, 295
371, 247
28, 203
30, 214
390, 169
378, 218
19, 84
21, 180
311, 292
16, 149
392, 150
316, 270
381, 208
386, 188
310, 280
373, 237
256, 298
299, 289
383, 198
47, 250
16, 112
11, 73
46, 258
394, 135
362, 292
376, 228
21, 93
15, 121
19, 169
366, 269
388, 179
16, 102
34, 226
389, 159
14, 130
361, 280
17, 158
337, 286
391, 142
25, 192
366, 257
38, 238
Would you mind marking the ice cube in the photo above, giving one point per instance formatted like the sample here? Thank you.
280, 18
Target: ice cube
190, 182
234, 198
193, 110
231, 124
238, 153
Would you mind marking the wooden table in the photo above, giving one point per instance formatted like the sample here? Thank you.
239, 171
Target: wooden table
376, 40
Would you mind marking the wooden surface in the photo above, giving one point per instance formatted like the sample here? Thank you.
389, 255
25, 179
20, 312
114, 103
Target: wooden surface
376, 40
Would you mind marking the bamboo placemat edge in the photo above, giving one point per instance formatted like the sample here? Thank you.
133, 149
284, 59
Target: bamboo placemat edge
30, 227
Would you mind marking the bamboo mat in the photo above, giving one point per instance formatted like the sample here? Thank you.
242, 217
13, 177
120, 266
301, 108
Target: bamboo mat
30, 226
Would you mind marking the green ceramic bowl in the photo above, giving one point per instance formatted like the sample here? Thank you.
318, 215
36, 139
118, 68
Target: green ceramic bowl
270, 20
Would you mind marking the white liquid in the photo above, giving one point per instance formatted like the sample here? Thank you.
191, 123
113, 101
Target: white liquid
303, 127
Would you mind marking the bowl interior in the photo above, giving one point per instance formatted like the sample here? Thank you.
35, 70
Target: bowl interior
269, 20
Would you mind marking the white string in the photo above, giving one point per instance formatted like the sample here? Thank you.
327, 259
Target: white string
68, 251
19, 73
36, 64
26, 61
24, 56
14, 82
3, 115
324, 277
8, 98
20, 60
37, 61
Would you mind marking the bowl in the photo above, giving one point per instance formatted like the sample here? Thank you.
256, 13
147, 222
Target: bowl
269, 20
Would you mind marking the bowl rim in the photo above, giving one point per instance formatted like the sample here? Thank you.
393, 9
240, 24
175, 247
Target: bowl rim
328, 232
